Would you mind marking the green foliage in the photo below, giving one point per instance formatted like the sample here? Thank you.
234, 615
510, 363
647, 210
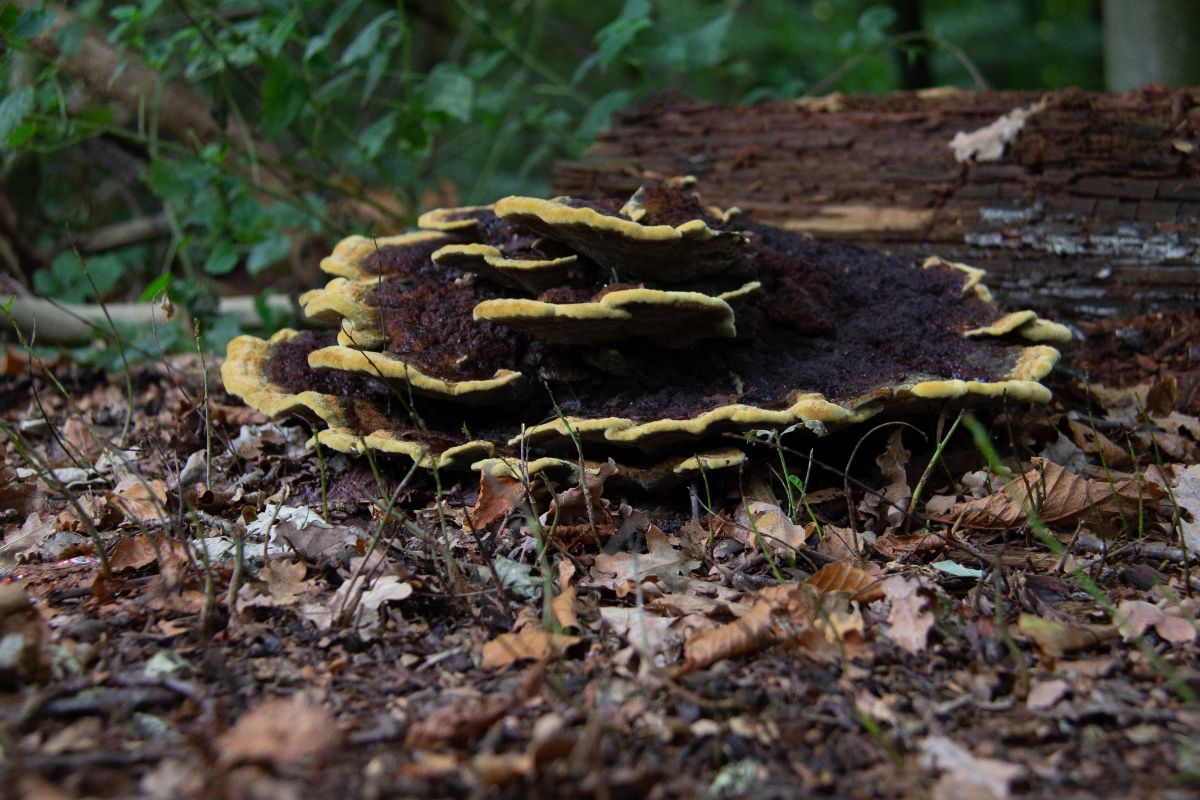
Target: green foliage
340, 117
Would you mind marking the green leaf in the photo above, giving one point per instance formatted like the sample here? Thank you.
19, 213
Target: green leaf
283, 97
600, 112
270, 251
221, 259
375, 136
13, 110
449, 90
32, 22
614, 37
156, 287
365, 43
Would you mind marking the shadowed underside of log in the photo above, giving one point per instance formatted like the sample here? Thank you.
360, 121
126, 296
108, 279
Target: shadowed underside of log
1092, 207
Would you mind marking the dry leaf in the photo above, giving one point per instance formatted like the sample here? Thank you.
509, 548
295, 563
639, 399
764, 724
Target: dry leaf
23, 538
1135, 617
1095, 443
141, 500
467, 718
899, 545
1061, 498
847, 579
840, 543
498, 496
965, 777
662, 563
770, 522
908, 620
890, 503
1058, 638
284, 580
132, 553
1185, 490
282, 733
527, 645
1044, 694
779, 613
563, 604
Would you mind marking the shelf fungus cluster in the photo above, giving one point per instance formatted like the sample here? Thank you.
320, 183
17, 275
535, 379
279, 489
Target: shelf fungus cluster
643, 330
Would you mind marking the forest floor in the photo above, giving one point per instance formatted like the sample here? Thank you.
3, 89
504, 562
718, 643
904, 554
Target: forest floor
264, 623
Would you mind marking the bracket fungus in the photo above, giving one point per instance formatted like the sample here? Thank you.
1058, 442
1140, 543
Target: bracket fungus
641, 330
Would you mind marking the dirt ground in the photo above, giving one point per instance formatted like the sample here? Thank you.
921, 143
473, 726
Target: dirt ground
264, 623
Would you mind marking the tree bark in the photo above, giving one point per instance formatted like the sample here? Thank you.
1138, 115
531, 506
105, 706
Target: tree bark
1092, 207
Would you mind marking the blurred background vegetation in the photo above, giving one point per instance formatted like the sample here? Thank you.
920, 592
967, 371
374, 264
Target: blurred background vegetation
192, 148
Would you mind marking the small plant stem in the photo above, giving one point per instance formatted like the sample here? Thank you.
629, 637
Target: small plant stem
934, 459
120, 349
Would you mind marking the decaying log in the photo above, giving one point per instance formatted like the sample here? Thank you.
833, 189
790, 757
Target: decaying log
1087, 204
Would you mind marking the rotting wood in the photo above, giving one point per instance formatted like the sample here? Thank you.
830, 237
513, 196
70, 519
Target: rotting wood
1093, 208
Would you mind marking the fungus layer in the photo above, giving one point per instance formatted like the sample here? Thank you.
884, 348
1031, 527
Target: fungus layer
642, 328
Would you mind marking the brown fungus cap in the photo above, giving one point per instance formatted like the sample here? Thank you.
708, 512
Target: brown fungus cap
407, 255
664, 253
825, 335
670, 318
531, 273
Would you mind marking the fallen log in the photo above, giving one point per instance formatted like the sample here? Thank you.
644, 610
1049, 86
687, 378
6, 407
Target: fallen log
1077, 203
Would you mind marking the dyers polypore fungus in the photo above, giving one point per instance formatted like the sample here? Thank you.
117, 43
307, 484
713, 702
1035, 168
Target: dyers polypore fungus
643, 329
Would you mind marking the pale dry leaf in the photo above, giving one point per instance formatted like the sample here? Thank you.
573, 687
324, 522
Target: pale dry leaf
892, 502
661, 563
1135, 617
284, 580
770, 522
964, 776
1185, 490
526, 645
283, 733
909, 619
940, 504
1061, 498
647, 632
141, 500
24, 538
1044, 694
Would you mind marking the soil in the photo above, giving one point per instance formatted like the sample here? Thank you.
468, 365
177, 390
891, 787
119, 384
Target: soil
1135, 350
